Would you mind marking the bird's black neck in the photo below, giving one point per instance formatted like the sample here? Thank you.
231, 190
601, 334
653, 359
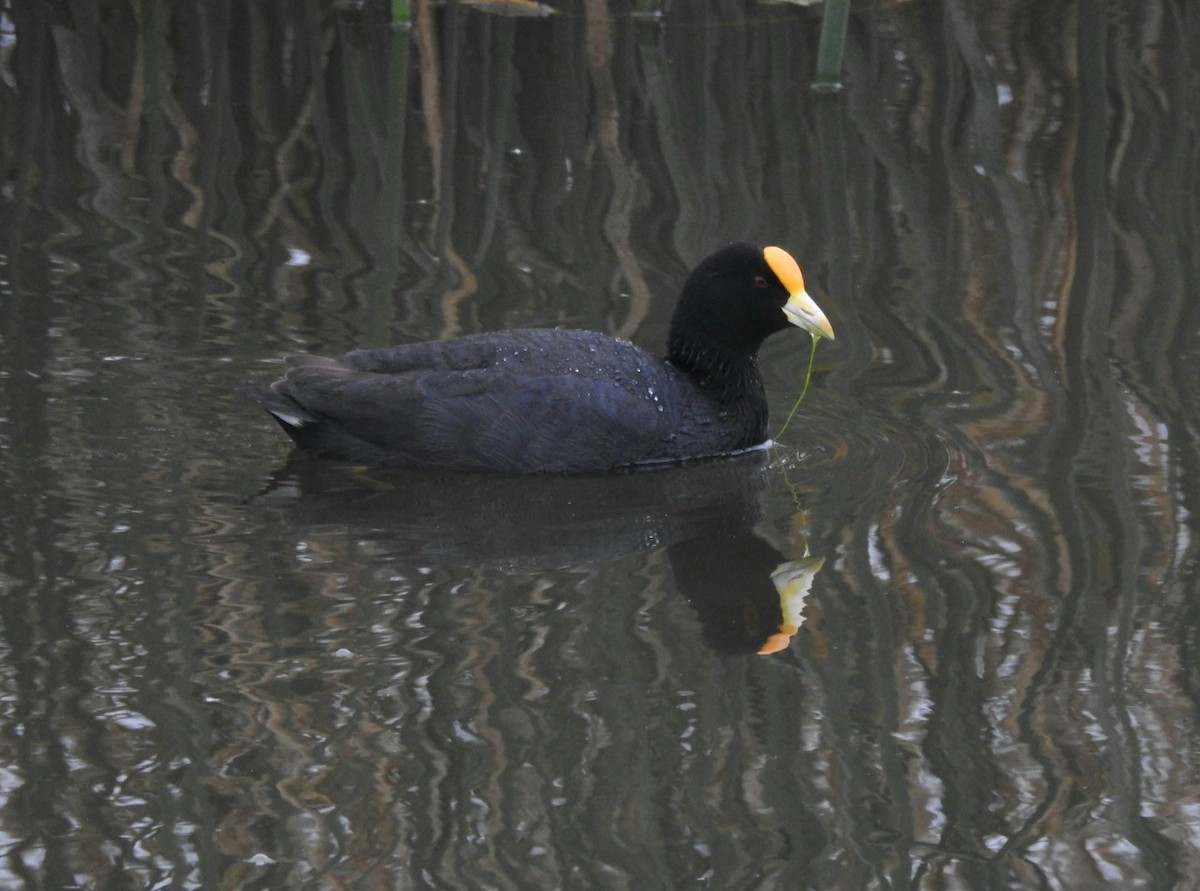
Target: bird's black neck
729, 375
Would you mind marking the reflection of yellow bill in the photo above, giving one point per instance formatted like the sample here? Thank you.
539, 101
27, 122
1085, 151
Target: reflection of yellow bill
793, 580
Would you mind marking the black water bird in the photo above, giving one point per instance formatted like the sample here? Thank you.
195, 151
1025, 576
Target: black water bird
555, 400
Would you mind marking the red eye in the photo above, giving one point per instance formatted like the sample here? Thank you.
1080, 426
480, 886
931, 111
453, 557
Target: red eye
759, 281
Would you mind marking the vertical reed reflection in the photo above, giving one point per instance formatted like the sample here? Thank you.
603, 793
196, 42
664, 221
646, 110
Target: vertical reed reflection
1040, 500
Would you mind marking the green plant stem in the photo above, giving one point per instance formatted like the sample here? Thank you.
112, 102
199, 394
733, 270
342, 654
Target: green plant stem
812, 358
832, 45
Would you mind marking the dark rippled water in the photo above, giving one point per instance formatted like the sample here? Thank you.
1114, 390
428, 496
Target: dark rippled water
973, 554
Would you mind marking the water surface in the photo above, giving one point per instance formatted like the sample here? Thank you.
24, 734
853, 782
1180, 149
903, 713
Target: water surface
223, 667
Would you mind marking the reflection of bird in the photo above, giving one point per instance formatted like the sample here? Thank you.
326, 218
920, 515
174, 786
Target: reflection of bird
556, 400
748, 600
518, 523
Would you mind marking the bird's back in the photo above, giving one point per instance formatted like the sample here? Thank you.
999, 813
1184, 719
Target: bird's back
516, 401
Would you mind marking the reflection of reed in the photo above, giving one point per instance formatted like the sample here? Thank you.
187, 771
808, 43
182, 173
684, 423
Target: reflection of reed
618, 219
1022, 502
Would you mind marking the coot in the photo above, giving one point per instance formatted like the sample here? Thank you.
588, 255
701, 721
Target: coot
554, 400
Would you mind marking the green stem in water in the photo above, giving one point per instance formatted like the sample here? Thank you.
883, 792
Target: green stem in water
812, 358
832, 46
